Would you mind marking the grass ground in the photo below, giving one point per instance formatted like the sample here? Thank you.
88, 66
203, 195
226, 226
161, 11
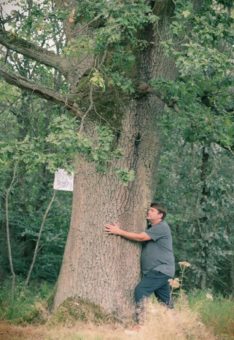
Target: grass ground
160, 324
216, 312
199, 316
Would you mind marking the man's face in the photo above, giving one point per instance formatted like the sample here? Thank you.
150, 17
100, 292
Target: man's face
154, 214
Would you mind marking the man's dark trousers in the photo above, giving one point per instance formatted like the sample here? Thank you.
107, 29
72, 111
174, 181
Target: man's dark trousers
154, 282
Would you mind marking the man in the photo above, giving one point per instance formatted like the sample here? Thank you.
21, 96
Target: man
157, 258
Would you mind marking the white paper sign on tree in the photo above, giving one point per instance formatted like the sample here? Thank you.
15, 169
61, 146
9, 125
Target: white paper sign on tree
63, 180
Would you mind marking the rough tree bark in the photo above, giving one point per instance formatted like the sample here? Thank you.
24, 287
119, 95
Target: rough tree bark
105, 269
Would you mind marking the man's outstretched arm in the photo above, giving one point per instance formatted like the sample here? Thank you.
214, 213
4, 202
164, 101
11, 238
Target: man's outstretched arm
114, 229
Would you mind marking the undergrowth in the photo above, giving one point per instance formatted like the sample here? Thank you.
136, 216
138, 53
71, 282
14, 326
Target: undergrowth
75, 309
28, 304
216, 312
32, 306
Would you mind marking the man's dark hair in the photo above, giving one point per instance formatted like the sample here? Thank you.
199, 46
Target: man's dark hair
160, 208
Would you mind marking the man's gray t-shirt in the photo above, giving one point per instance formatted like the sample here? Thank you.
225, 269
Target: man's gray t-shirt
157, 253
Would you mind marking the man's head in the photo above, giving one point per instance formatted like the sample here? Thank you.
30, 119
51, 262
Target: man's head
156, 213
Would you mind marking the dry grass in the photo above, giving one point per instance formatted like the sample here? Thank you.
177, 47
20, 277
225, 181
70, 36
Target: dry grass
160, 324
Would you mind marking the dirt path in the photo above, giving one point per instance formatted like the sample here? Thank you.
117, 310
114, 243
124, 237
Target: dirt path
12, 332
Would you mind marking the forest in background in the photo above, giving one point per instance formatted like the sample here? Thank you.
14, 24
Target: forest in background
194, 179
180, 184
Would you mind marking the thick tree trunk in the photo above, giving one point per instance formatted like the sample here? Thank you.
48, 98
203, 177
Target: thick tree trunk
105, 269
101, 268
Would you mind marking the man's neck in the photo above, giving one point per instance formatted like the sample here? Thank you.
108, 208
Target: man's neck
154, 222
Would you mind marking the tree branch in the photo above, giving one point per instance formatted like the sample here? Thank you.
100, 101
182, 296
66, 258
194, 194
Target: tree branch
143, 89
41, 91
39, 237
33, 51
161, 6
9, 245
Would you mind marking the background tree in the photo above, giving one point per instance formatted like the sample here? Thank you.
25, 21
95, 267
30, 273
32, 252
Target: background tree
24, 120
202, 99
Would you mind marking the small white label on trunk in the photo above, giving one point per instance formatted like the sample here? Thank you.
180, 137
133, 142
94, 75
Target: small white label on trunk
63, 180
